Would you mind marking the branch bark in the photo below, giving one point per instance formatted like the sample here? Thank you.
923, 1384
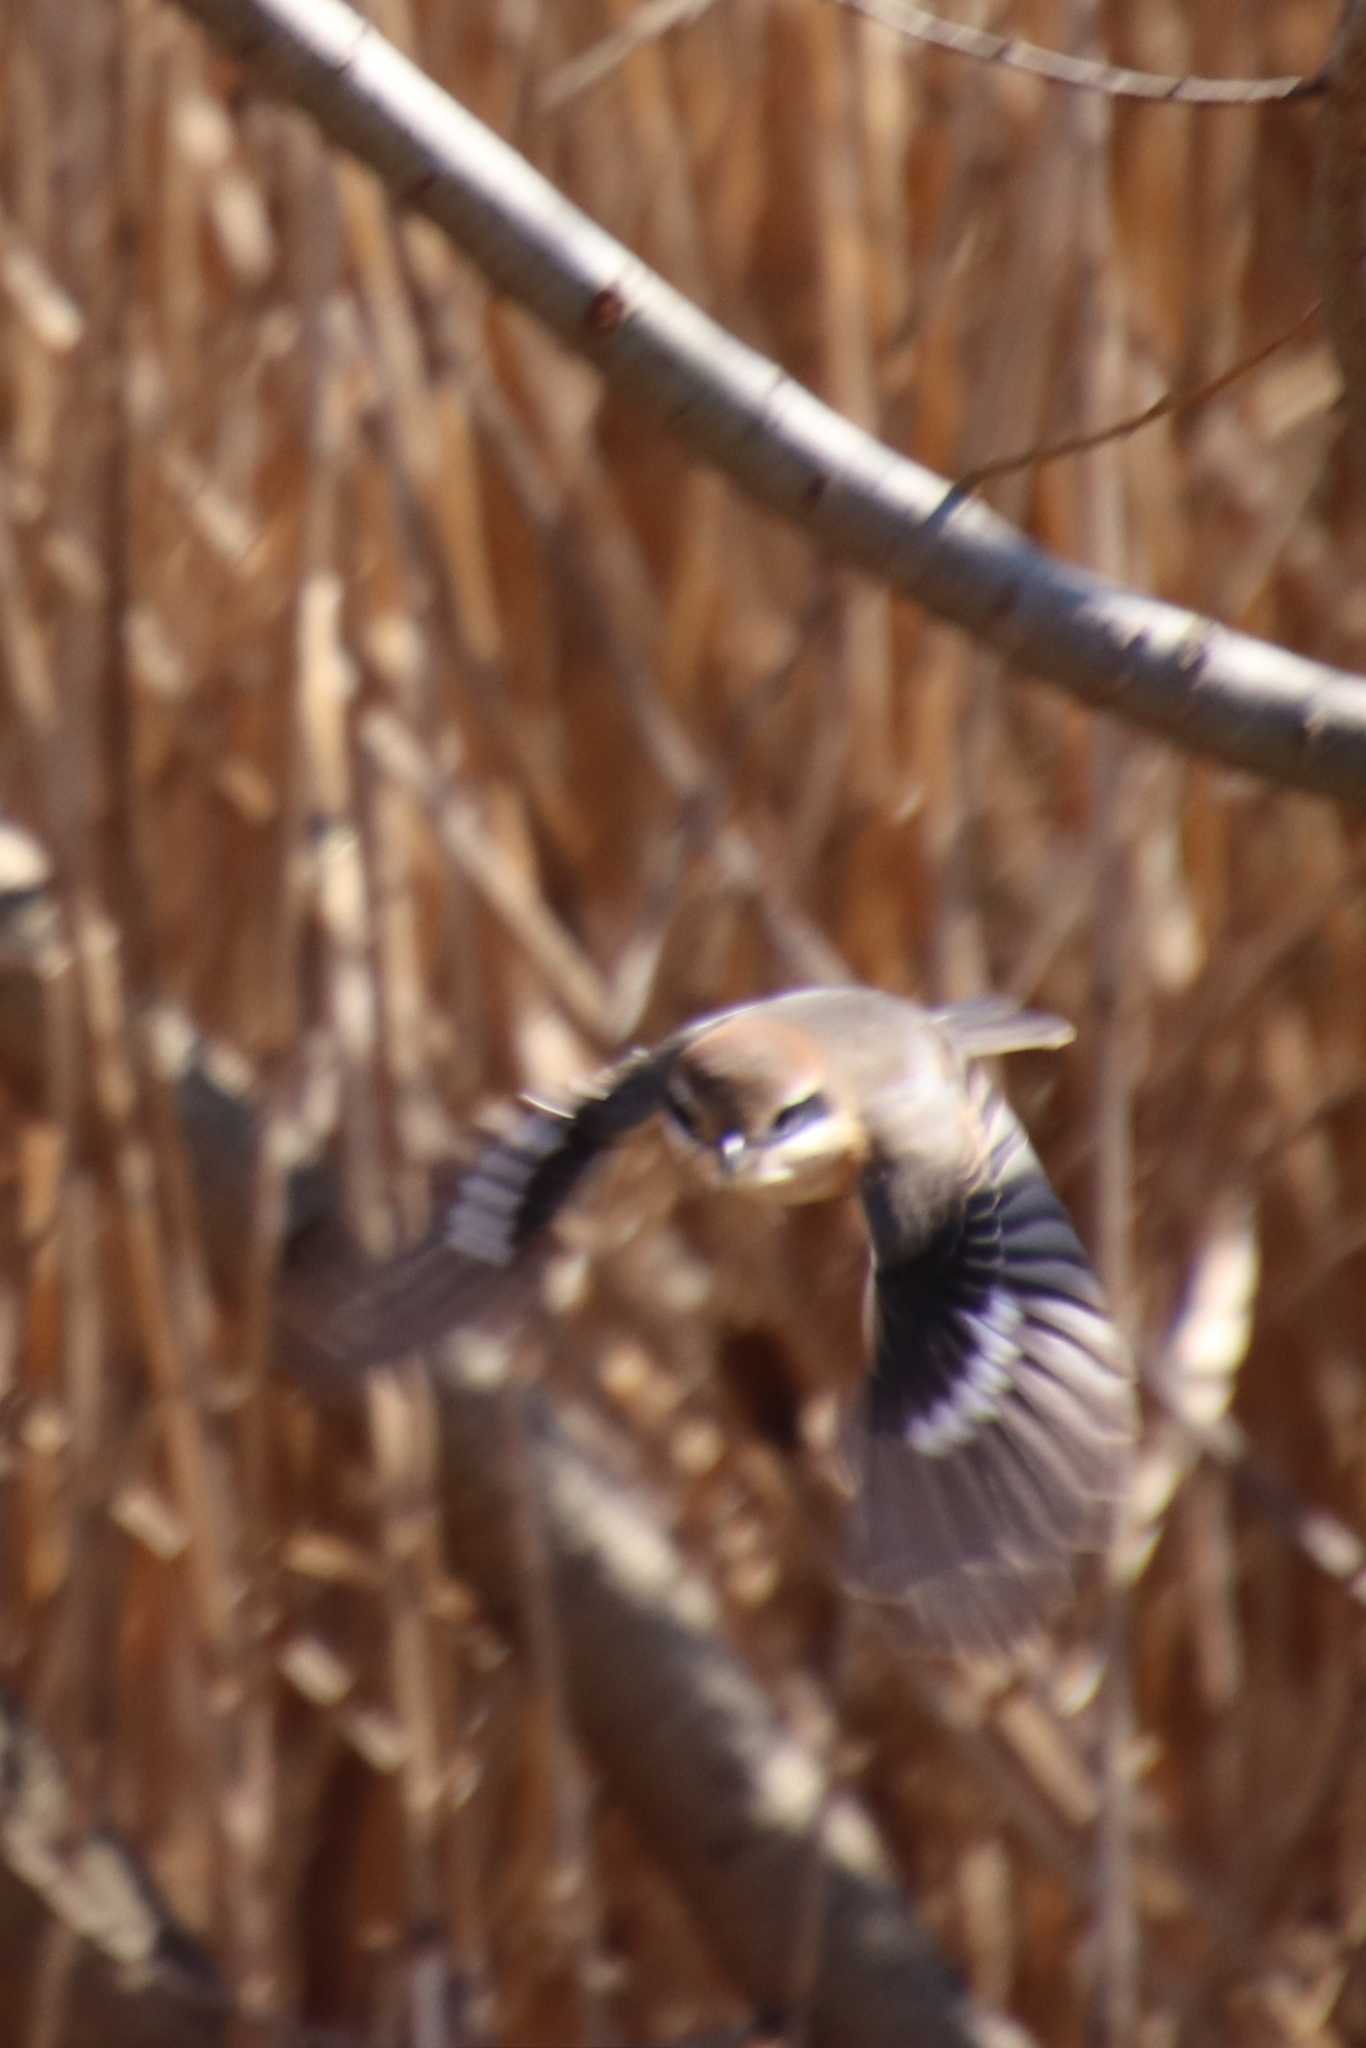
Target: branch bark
1208, 689
134, 1978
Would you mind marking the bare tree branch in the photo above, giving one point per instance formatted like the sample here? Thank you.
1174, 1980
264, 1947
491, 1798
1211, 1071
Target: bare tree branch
127, 1972
1211, 690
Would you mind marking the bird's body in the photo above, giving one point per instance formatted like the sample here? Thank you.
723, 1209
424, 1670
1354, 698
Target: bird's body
995, 1430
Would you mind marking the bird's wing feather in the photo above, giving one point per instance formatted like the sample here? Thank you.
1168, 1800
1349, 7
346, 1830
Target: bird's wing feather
520, 1182
515, 1188
997, 1425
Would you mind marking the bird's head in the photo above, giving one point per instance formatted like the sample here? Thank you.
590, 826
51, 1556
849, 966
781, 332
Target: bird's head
754, 1105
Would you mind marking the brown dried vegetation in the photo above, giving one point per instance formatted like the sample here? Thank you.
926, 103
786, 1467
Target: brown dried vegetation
396, 702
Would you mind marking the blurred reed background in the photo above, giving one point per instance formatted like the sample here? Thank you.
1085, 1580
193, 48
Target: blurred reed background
426, 725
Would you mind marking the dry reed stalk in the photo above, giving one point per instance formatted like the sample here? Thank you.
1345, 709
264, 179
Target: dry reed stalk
393, 694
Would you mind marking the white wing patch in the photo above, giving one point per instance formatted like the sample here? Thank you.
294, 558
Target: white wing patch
984, 1376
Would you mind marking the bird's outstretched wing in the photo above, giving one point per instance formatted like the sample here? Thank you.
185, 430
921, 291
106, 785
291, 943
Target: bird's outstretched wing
520, 1182
515, 1188
996, 1428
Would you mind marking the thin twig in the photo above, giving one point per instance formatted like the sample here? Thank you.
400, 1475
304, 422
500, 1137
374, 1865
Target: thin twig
1169, 406
1061, 67
651, 21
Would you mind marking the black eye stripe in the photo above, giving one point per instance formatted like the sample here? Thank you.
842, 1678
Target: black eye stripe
796, 1115
684, 1115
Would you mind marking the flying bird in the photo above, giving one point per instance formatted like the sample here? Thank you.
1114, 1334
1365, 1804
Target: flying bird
994, 1430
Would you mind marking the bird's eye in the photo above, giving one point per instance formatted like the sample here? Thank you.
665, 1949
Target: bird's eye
795, 1116
681, 1111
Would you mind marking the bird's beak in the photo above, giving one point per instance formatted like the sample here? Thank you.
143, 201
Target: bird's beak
730, 1152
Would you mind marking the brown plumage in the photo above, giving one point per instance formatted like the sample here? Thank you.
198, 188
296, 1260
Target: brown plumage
995, 1429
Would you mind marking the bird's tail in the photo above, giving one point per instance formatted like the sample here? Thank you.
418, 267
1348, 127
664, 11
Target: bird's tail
996, 1024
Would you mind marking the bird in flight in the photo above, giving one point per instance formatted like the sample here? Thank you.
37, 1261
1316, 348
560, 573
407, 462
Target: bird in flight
994, 1430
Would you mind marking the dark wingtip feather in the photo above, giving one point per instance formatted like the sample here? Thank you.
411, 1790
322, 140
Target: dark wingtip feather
515, 1188
520, 1182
